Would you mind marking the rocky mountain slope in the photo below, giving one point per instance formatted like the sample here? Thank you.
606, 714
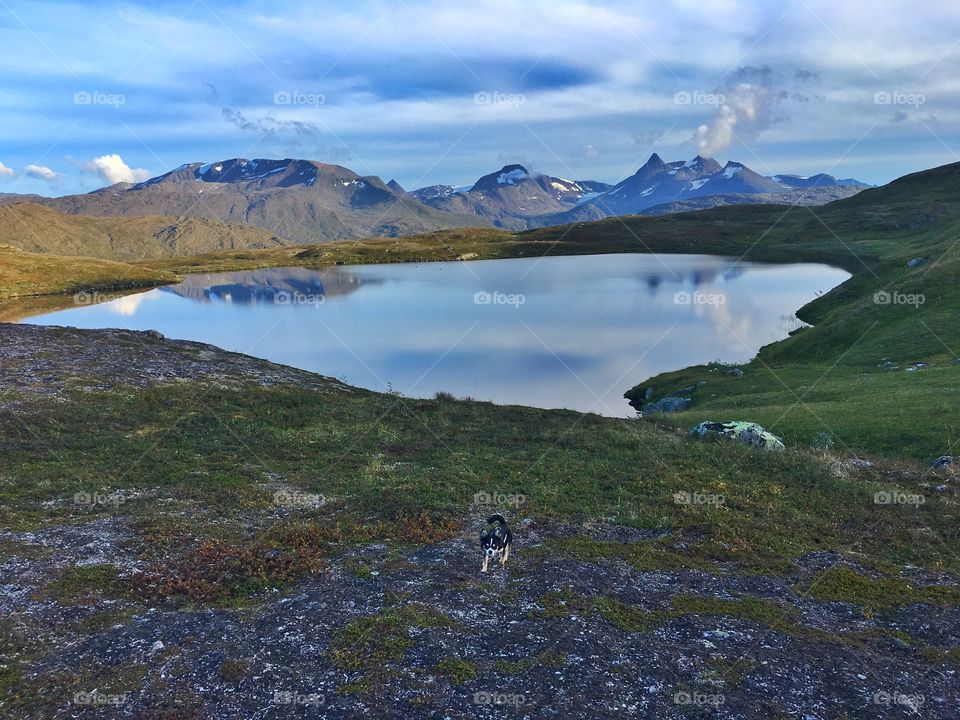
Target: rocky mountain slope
302, 200
307, 201
515, 199
509, 197
702, 183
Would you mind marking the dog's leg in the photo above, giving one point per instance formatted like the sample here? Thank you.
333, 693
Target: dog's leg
506, 554
486, 561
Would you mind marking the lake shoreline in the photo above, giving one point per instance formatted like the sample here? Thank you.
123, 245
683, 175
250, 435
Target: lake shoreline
544, 332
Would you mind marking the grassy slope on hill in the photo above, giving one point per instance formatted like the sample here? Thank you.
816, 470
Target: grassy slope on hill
227, 446
25, 273
40, 229
825, 384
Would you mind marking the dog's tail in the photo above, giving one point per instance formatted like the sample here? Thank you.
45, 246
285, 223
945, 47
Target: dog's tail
497, 518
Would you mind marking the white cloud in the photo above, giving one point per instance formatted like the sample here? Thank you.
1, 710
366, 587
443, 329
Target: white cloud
748, 105
113, 169
41, 172
5, 171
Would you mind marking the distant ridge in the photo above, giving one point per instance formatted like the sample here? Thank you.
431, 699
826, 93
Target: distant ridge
305, 201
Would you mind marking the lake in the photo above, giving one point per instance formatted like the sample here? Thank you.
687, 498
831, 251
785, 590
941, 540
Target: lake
558, 332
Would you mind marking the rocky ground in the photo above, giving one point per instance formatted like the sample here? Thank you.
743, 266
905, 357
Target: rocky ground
435, 638
41, 362
577, 625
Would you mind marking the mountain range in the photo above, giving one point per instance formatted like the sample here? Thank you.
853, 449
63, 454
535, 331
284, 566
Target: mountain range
514, 198
302, 201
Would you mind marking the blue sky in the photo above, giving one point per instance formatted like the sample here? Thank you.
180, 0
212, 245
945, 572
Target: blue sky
429, 92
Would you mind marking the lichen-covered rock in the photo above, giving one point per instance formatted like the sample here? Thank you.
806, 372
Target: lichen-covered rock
944, 462
745, 433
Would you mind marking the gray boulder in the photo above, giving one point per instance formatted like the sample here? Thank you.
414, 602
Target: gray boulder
667, 405
916, 262
690, 389
943, 462
736, 372
740, 431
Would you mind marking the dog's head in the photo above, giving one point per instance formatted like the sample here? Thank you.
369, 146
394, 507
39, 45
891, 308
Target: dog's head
492, 542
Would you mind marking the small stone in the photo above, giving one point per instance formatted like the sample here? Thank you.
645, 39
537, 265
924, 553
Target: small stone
943, 461
736, 372
156, 647
916, 262
862, 464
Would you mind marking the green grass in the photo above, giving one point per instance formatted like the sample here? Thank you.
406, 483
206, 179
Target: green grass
395, 468
843, 584
628, 618
546, 659
457, 671
371, 647
27, 274
84, 585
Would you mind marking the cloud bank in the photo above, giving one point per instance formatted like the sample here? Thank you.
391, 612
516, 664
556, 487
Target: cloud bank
112, 169
40, 172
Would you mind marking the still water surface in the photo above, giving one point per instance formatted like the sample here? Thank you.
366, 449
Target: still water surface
573, 332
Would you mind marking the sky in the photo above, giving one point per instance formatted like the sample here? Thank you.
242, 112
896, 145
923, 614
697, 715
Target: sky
438, 92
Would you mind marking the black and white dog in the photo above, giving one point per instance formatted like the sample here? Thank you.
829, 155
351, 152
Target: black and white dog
495, 540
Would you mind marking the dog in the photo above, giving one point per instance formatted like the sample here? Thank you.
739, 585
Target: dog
495, 540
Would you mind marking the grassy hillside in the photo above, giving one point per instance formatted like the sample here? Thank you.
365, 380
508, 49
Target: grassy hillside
25, 274
845, 382
40, 229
